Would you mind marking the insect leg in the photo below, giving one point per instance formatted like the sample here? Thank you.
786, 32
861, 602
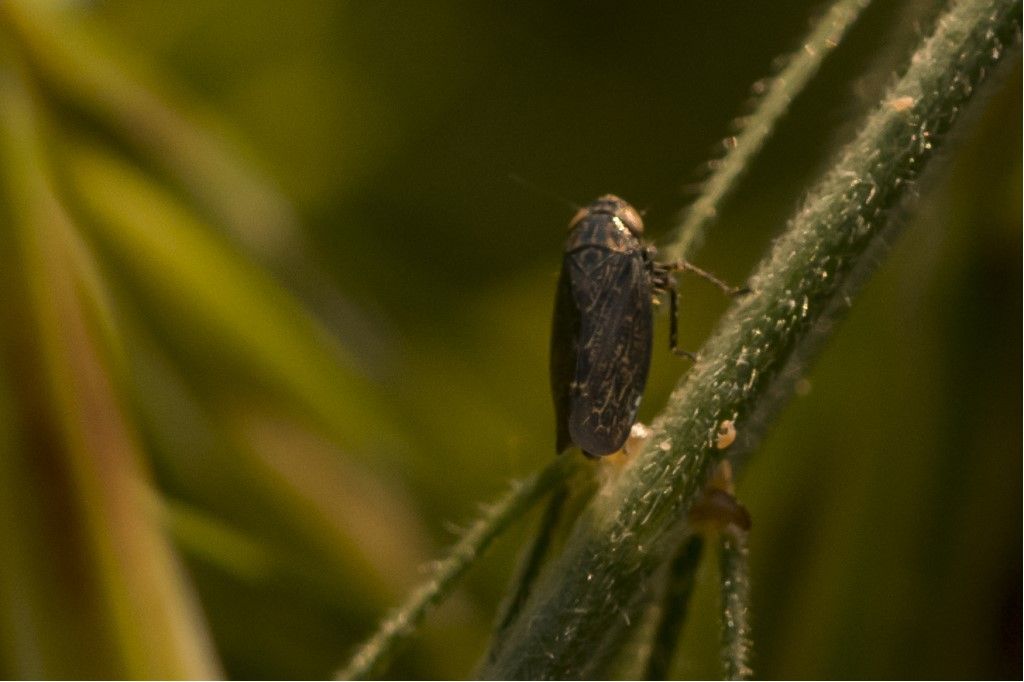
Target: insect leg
704, 274
673, 324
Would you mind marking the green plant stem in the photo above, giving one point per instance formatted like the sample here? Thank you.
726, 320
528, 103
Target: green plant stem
674, 606
400, 624
581, 609
734, 573
533, 559
779, 92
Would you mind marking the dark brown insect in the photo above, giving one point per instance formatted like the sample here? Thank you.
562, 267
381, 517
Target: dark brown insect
603, 325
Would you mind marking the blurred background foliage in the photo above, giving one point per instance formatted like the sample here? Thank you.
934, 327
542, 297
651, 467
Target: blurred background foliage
275, 317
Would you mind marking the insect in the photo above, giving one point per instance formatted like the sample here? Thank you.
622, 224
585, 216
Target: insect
603, 325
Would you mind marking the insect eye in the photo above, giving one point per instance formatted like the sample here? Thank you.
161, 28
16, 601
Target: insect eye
580, 215
629, 216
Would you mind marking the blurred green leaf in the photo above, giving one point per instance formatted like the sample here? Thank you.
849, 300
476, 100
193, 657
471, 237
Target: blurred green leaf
77, 66
224, 309
148, 621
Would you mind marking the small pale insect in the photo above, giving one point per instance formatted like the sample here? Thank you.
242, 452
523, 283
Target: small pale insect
726, 434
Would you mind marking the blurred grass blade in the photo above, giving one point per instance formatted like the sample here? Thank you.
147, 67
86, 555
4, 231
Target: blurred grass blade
143, 604
338, 503
223, 308
259, 468
83, 69
219, 544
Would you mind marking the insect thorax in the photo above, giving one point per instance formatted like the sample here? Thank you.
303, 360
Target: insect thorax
603, 231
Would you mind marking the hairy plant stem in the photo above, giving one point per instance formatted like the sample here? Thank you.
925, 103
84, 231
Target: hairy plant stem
532, 560
582, 607
775, 95
674, 607
372, 654
734, 575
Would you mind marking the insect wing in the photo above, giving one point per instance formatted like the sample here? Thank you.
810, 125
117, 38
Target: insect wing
564, 351
611, 292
